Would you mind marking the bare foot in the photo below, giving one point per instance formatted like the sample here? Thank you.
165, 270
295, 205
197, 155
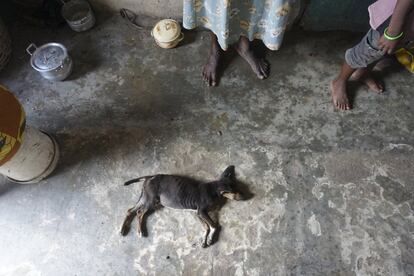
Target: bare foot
259, 65
384, 64
364, 76
210, 71
339, 95
210, 75
373, 85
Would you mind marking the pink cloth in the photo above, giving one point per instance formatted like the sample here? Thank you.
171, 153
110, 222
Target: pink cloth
383, 9
380, 11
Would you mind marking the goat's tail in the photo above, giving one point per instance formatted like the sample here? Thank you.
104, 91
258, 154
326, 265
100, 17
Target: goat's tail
129, 182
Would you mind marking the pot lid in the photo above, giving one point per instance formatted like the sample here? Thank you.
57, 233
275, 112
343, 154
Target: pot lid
49, 56
166, 30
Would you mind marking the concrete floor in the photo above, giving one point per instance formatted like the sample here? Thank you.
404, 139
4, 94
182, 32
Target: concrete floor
333, 190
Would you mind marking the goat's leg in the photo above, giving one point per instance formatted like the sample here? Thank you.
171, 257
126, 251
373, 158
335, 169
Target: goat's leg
207, 230
212, 225
141, 228
126, 225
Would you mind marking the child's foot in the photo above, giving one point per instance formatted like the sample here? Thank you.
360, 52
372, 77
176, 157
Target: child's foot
259, 65
365, 77
339, 96
384, 64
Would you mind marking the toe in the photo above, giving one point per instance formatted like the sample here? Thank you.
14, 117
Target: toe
259, 72
380, 88
208, 80
214, 80
263, 71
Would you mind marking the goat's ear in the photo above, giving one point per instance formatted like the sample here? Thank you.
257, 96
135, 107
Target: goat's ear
228, 172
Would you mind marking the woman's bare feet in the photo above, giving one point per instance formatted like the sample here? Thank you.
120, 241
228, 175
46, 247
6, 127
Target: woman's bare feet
364, 76
210, 71
339, 95
259, 65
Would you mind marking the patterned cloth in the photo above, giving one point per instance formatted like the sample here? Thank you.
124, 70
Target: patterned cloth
229, 19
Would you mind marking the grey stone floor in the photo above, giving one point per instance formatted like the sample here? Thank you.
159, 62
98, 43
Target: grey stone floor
333, 190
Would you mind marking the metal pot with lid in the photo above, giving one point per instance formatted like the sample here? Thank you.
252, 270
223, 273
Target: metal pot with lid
51, 60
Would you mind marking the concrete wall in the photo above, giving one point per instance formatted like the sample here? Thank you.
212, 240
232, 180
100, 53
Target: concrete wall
323, 15
157, 8
319, 15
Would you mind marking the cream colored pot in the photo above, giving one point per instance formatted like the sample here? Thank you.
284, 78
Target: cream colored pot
167, 33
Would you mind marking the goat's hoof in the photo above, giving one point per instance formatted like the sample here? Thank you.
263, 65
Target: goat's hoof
204, 245
210, 242
142, 234
124, 231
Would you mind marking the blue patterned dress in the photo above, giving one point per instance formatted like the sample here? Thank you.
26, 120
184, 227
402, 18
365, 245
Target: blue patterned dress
229, 19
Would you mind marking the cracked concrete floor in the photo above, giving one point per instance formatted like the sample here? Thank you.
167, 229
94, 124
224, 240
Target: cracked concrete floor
333, 190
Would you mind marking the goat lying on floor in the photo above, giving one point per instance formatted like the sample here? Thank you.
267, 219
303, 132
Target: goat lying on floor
182, 193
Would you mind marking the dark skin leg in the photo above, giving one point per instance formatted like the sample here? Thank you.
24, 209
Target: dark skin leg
259, 66
364, 76
338, 88
210, 72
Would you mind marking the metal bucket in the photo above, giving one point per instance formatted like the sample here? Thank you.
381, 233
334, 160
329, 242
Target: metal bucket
79, 15
36, 158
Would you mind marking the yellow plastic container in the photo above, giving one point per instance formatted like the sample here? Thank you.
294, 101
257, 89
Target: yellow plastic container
12, 125
27, 155
406, 58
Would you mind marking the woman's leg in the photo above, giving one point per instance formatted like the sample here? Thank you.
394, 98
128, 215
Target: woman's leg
210, 72
260, 66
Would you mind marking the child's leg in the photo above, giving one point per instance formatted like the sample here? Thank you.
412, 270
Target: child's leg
359, 57
338, 87
364, 75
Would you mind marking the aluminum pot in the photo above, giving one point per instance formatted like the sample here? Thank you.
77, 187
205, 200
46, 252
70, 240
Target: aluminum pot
51, 60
